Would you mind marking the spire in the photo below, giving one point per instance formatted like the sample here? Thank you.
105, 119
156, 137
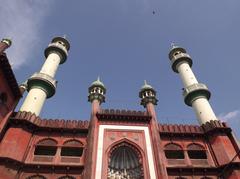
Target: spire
98, 83
146, 86
147, 94
173, 45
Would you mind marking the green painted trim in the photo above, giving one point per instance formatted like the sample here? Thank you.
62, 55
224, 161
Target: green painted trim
179, 60
97, 96
52, 49
149, 99
192, 96
42, 84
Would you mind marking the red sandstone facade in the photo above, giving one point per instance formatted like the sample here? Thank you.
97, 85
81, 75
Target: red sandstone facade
112, 144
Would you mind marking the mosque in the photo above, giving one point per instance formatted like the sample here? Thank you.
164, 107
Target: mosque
114, 143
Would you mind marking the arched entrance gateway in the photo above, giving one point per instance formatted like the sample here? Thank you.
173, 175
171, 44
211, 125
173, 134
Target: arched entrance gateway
125, 162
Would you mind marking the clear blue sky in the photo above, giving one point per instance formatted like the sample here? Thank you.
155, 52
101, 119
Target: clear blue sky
125, 43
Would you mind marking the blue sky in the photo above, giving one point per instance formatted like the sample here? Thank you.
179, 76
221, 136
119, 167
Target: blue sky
125, 43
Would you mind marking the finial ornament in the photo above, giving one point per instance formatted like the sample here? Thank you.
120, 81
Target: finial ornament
64, 36
145, 82
173, 45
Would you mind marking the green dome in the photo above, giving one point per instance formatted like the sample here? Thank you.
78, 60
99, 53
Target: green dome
146, 86
98, 83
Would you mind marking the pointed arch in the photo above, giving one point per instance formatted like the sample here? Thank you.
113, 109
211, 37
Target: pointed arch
196, 151
73, 143
47, 142
115, 144
195, 146
173, 151
125, 160
73, 148
46, 146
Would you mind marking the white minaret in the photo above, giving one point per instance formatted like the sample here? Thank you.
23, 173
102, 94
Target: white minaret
42, 85
195, 94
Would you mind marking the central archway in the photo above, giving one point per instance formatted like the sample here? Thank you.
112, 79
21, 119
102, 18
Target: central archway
125, 162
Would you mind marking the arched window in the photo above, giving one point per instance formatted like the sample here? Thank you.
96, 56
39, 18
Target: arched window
196, 151
36, 177
173, 151
46, 147
72, 148
125, 162
67, 177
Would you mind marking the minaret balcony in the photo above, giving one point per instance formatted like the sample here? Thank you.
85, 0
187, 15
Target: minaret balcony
44, 82
194, 92
57, 48
180, 58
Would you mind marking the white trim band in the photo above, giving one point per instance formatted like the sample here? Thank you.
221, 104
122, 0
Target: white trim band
150, 159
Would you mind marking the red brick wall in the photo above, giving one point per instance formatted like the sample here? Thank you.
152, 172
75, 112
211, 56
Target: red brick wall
15, 143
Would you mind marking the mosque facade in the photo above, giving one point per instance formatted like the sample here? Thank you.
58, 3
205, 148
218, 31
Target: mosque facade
113, 143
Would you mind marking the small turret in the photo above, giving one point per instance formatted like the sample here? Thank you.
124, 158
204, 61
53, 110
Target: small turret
97, 91
4, 44
147, 94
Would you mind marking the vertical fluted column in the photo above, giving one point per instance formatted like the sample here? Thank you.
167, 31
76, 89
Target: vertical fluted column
195, 94
42, 85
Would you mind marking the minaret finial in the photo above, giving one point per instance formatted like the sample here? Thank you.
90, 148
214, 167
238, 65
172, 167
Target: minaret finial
64, 36
98, 78
173, 45
145, 82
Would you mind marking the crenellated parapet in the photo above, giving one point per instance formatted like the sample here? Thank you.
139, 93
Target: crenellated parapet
124, 115
32, 119
180, 129
216, 126
208, 128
